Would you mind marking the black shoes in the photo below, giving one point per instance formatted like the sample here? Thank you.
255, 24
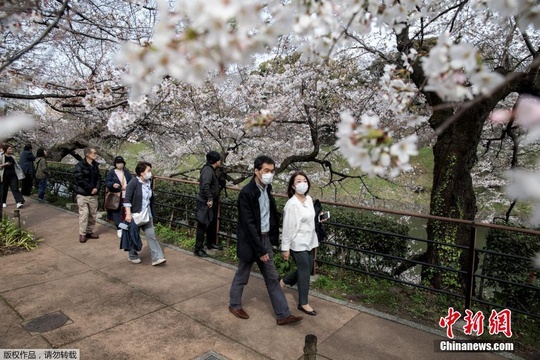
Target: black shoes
200, 253
215, 246
312, 312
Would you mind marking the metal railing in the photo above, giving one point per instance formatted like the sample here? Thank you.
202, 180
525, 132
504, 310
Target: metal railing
344, 247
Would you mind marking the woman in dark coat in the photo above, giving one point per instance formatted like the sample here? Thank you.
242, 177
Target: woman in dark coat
26, 161
116, 181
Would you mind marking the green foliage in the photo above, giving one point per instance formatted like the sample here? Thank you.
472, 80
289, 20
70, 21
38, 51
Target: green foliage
175, 236
516, 270
352, 242
13, 238
283, 267
175, 203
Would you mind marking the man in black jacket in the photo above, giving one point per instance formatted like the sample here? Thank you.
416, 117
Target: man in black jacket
258, 230
208, 201
86, 186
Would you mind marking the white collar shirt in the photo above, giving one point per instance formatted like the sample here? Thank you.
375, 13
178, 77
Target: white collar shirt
299, 225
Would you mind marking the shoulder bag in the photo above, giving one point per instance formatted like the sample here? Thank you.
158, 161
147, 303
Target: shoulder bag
112, 200
141, 218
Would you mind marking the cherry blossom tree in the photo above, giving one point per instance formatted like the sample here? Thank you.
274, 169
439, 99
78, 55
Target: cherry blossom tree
447, 63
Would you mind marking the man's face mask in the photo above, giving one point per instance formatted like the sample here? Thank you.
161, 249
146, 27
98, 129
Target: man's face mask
266, 179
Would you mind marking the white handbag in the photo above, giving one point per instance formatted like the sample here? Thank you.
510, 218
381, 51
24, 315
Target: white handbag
141, 218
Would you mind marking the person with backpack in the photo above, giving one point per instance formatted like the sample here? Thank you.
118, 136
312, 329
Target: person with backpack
42, 173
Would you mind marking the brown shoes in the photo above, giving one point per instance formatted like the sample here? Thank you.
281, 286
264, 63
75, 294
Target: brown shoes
83, 238
291, 319
239, 313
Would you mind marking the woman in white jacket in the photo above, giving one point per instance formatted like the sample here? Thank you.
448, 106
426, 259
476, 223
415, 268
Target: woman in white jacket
299, 237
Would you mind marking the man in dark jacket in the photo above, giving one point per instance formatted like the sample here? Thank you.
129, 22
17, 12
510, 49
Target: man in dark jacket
208, 201
86, 186
258, 230
26, 162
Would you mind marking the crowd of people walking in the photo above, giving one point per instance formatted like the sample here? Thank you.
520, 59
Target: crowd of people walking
129, 201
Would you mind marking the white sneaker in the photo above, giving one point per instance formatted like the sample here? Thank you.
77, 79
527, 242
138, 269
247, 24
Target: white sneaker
119, 233
4, 205
135, 261
19, 205
158, 261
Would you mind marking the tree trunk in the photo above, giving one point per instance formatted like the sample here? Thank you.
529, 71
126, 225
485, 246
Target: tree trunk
454, 155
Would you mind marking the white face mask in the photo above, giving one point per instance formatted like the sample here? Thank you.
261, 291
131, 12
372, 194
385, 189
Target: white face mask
301, 188
148, 176
266, 179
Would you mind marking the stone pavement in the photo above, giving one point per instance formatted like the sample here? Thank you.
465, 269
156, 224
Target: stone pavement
120, 310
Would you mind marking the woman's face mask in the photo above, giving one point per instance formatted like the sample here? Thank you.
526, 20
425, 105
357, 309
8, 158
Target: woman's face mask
148, 176
301, 188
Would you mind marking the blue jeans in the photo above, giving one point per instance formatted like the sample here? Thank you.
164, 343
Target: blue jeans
42, 187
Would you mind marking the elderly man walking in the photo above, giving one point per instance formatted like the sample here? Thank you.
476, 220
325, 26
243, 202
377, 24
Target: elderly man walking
86, 186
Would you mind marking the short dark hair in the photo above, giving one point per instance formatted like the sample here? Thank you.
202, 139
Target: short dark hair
28, 147
290, 190
40, 152
141, 167
263, 159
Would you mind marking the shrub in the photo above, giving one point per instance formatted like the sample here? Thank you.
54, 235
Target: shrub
13, 238
358, 240
516, 270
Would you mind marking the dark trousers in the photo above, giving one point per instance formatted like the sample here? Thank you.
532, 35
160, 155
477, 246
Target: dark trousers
26, 184
11, 181
301, 276
268, 271
117, 215
210, 231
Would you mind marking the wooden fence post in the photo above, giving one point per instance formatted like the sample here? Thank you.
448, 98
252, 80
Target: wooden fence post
17, 218
310, 347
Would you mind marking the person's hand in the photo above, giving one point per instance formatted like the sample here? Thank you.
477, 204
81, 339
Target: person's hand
210, 203
285, 255
116, 186
265, 258
128, 218
94, 191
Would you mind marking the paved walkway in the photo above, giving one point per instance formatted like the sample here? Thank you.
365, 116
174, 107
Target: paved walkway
119, 310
